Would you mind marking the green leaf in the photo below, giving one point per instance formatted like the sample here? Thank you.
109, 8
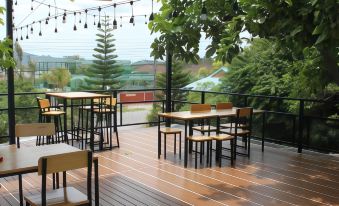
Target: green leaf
296, 30
318, 30
289, 2
321, 38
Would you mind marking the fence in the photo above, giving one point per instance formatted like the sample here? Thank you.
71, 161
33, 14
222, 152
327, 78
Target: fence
298, 129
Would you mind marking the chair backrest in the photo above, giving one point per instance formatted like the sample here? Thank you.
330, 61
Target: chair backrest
245, 112
63, 163
224, 105
44, 104
201, 107
111, 101
34, 129
244, 116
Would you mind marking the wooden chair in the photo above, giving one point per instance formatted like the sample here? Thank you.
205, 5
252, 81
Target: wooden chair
40, 130
169, 130
228, 105
202, 139
104, 113
46, 113
66, 195
242, 115
200, 108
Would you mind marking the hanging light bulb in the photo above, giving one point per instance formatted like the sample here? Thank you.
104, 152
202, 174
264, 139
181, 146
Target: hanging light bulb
40, 34
145, 19
99, 21
115, 23
75, 19
21, 34
31, 29
94, 20
16, 33
27, 32
120, 21
79, 17
151, 17
16, 3
32, 5
64, 17
85, 26
203, 15
49, 10
56, 25
47, 19
131, 20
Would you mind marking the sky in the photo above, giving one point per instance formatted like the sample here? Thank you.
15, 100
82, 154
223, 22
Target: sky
132, 42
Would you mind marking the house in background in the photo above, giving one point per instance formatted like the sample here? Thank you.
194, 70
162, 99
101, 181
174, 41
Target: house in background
207, 83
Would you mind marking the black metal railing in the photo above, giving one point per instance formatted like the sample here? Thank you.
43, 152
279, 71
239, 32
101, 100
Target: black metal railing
297, 128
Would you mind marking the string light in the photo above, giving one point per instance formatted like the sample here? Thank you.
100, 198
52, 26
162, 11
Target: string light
151, 17
47, 19
115, 23
85, 26
16, 31
131, 20
79, 17
32, 28
94, 20
16, 3
99, 21
40, 34
56, 25
32, 5
75, 19
64, 17
27, 32
145, 19
120, 21
21, 35
49, 10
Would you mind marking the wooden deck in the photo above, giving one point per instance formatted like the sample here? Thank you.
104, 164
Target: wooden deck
133, 175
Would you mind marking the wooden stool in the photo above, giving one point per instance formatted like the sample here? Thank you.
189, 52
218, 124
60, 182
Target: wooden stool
202, 139
169, 130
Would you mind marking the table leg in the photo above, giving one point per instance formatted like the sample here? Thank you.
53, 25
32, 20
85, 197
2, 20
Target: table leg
72, 123
190, 133
91, 135
21, 197
218, 144
65, 121
186, 146
159, 138
96, 179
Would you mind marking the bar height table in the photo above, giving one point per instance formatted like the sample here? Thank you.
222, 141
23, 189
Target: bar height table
78, 96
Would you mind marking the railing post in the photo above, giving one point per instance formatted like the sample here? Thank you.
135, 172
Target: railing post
168, 84
301, 125
10, 76
202, 100
115, 95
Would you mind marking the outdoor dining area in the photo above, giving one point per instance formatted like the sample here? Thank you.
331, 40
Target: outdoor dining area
204, 156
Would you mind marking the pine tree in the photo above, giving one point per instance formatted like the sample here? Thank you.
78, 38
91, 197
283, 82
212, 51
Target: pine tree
104, 71
180, 78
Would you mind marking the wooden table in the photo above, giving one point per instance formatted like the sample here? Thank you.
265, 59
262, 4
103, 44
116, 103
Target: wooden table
18, 161
188, 116
78, 96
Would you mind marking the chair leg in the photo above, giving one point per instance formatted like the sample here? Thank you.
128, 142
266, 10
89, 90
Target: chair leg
220, 153
232, 151
175, 143
196, 155
180, 145
201, 149
249, 145
235, 147
210, 151
21, 197
165, 145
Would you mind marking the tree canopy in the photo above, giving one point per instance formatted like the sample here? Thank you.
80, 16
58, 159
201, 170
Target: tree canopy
300, 26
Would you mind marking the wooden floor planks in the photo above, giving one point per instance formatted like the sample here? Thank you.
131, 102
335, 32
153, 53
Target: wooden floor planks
133, 175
